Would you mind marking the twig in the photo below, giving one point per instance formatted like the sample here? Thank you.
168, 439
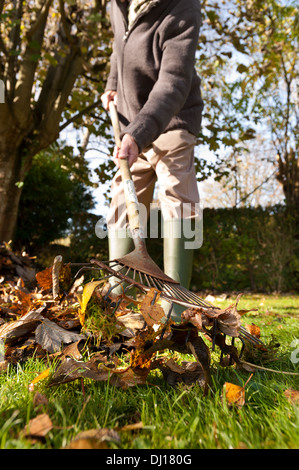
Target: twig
55, 275
267, 369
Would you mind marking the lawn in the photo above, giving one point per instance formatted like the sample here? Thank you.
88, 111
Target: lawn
157, 416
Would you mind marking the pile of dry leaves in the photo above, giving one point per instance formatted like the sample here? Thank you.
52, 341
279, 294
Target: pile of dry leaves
89, 334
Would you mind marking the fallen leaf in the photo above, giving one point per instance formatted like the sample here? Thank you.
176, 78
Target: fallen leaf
292, 395
128, 378
229, 323
10, 331
72, 351
44, 278
51, 336
132, 320
152, 312
97, 369
234, 394
24, 304
88, 290
95, 439
253, 330
3, 366
188, 373
131, 427
43, 375
193, 316
70, 370
40, 400
38, 427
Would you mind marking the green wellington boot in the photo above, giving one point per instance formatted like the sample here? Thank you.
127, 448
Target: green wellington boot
120, 244
178, 254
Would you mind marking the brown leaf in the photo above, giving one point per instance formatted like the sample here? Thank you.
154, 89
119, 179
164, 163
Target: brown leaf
193, 316
70, 370
72, 350
3, 366
229, 323
152, 312
132, 320
10, 331
51, 336
253, 330
57, 264
292, 396
24, 304
94, 439
128, 378
44, 278
188, 373
38, 427
40, 400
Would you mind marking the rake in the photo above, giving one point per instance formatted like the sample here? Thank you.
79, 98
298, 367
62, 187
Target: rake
138, 268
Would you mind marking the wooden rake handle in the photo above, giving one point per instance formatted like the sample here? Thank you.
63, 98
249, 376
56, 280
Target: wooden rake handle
126, 176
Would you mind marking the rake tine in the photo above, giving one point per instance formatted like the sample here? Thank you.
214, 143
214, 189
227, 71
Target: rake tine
113, 265
140, 277
154, 283
147, 280
182, 294
169, 289
112, 287
242, 348
230, 358
160, 285
250, 337
221, 354
167, 320
172, 292
154, 298
193, 297
214, 333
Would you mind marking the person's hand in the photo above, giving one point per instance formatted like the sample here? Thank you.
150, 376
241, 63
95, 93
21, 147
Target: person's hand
129, 149
108, 96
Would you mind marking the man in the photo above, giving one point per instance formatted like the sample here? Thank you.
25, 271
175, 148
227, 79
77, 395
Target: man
157, 92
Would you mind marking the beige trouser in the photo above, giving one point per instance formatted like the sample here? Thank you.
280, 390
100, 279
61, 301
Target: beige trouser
170, 162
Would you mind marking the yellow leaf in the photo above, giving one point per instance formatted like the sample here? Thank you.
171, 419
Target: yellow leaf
234, 394
88, 290
41, 376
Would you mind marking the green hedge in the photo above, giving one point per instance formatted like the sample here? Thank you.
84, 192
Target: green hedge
248, 249
244, 249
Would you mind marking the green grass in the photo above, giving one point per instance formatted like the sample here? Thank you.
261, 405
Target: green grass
179, 418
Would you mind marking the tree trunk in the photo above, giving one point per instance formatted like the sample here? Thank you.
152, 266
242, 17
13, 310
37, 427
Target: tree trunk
10, 193
30, 123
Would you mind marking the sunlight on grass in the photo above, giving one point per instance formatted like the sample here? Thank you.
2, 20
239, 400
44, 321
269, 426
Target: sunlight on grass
181, 418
